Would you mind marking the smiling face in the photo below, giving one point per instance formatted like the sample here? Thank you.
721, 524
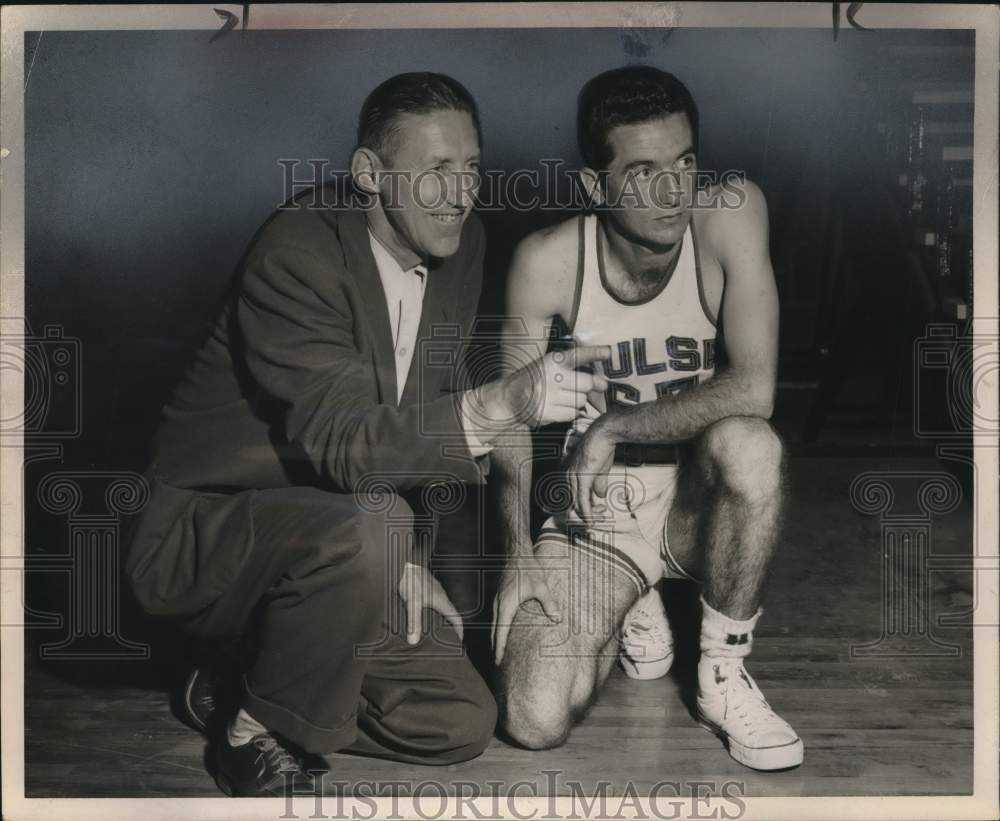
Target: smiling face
432, 182
649, 183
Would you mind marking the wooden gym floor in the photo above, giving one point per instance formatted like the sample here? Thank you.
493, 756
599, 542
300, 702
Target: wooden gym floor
878, 725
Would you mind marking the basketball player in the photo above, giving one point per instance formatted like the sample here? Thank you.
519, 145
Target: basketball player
674, 471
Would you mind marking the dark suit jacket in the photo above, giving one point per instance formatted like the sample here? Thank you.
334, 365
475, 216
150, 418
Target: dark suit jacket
296, 385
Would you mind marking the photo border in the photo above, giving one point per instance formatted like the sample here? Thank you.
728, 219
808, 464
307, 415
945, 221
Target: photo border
16, 20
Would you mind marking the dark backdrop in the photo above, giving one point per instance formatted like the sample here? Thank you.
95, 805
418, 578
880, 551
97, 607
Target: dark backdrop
152, 157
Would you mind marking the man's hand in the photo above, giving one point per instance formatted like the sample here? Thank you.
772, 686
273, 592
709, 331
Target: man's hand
547, 389
523, 579
551, 389
419, 589
587, 469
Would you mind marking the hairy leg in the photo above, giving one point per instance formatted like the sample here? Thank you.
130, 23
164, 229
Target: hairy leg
736, 468
551, 673
724, 525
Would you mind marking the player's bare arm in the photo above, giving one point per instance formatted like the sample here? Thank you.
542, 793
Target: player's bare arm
536, 388
737, 239
540, 287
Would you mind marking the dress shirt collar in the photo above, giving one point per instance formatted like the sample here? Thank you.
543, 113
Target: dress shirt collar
386, 262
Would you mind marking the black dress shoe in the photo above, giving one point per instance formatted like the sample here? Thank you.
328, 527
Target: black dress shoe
200, 698
262, 767
210, 695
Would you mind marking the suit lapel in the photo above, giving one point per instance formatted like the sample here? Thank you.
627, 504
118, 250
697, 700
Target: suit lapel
361, 263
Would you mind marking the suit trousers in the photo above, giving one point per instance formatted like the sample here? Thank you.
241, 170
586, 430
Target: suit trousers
316, 594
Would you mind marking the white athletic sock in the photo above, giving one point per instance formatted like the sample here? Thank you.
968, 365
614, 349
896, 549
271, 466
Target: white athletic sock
242, 728
723, 637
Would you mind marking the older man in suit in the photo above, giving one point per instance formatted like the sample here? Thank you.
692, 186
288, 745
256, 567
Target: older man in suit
290, 456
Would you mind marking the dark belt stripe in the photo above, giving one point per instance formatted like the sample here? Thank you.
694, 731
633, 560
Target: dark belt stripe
634, 455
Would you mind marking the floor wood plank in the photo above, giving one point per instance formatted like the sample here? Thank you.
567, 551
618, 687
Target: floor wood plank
871, 726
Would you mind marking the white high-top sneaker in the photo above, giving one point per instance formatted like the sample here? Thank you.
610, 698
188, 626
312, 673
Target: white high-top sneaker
732, 706
647, 643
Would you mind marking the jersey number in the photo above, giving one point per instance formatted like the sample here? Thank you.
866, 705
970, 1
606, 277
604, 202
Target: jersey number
620, 394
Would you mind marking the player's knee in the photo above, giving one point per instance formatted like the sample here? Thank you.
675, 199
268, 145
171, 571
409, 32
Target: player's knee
537, 729
543, 721
746, 455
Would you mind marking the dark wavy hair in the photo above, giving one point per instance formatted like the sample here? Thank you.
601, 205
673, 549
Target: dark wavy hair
625, 96
418, 92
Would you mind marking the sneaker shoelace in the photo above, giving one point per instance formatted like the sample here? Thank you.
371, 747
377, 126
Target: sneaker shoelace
645, 628
745, 700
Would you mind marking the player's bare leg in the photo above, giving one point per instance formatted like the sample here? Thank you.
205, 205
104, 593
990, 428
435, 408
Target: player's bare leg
724, 528
725, 520
551, 672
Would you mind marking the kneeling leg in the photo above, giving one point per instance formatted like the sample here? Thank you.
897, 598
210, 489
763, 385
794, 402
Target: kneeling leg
551, 672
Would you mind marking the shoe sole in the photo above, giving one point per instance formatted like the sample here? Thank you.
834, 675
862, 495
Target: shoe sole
226, 787
779, 757
646, 670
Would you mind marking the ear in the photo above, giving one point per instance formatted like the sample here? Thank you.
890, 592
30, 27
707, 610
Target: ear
365, 166
591, 181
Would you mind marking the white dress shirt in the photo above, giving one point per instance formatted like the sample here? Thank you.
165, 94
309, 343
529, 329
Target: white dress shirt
404, 297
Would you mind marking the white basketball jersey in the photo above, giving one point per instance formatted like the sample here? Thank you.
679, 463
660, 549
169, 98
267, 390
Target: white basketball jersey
662, 344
